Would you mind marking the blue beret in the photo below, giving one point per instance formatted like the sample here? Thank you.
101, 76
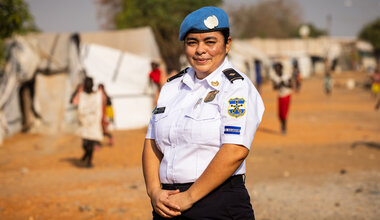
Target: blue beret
205, 19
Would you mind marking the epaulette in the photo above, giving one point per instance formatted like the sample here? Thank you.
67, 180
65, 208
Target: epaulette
232, 75
178, 74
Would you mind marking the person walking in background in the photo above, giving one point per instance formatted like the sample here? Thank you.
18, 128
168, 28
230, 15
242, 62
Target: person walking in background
202, 129
155, 78
296, 75
107, 113
375, 86
259, 78
90, 118
327, 79
282, 83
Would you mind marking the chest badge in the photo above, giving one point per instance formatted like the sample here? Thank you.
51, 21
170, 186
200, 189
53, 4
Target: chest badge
236, 107
211, 96
215, 83
159, 110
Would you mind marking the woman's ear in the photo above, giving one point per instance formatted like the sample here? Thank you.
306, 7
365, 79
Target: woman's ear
228, 44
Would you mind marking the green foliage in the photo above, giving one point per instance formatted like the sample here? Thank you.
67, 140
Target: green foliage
165, 18
14, 18
371, 33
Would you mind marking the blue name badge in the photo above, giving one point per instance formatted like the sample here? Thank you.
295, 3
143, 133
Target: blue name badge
232, 130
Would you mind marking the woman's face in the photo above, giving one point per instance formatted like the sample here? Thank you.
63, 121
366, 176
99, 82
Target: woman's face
206, 51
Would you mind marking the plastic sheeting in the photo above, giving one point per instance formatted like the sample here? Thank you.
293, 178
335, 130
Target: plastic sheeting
125, 77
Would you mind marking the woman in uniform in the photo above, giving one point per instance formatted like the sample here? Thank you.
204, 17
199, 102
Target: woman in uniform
202, 129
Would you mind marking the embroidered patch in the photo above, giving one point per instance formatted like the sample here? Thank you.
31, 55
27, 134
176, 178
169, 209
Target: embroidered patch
236, 107
159, 110
232, 130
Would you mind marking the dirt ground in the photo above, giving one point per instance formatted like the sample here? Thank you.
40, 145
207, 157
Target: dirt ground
326, 167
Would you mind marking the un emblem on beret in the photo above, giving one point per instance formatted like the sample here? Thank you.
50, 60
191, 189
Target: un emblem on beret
211, 22
236, 107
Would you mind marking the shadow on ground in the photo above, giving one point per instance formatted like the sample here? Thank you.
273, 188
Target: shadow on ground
75, 162
269, 131
369, 144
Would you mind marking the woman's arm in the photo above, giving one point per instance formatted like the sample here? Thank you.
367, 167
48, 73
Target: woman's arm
225, 163
151, 162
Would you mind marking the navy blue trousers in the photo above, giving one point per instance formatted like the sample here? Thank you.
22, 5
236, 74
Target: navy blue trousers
229, 201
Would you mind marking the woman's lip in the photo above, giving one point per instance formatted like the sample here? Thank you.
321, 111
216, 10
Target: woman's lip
201, 60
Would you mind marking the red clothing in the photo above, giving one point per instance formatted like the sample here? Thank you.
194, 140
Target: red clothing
155, 76
283, 107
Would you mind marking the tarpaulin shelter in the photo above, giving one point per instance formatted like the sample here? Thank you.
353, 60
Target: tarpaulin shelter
51, 63
34, 86
121, 61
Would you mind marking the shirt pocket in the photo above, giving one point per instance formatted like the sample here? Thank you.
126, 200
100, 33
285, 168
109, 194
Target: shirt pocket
205, 124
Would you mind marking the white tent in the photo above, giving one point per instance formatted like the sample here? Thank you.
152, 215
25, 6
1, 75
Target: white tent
125, 77
121, 61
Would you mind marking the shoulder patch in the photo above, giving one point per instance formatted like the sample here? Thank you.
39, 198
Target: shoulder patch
232, 75
178, 74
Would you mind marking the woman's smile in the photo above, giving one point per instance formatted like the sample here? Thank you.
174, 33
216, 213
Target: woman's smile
206, 51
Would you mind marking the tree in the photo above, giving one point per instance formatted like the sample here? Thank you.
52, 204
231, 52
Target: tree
272, 18
163, 16
371, 33
14, 18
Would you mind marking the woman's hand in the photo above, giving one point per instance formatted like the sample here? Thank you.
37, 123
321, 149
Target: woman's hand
162, 205
183, 200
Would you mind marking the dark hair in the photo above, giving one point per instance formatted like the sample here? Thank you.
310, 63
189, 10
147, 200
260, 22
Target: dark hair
88, 84
101, 85
225, 32
154, 65
277, 65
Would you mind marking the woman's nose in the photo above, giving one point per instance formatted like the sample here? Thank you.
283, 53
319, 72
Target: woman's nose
200, 49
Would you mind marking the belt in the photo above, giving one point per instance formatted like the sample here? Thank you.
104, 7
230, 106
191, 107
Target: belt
235, 180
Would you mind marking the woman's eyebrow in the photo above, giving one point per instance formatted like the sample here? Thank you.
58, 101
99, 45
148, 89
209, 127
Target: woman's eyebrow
191, 38
210, 38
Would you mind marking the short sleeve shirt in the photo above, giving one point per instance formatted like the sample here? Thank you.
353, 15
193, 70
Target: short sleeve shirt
194, 118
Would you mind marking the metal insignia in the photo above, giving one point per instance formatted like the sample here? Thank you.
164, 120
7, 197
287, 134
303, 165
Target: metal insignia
216, 83
211, 22
211, 96
236, 107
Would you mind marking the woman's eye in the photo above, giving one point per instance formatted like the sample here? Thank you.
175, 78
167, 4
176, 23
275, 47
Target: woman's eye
190, 43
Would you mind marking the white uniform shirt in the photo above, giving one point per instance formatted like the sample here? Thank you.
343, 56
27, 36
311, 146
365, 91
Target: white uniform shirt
189, 126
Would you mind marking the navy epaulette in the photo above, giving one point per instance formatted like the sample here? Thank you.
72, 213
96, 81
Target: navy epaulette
178, 74
232, 75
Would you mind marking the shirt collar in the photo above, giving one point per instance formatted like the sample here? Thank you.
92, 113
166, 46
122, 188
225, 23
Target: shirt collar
214, 79
188, 78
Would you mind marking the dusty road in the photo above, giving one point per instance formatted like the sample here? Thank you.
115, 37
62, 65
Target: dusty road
326, 167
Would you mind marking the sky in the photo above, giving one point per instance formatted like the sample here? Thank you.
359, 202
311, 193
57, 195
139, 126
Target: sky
347, 16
